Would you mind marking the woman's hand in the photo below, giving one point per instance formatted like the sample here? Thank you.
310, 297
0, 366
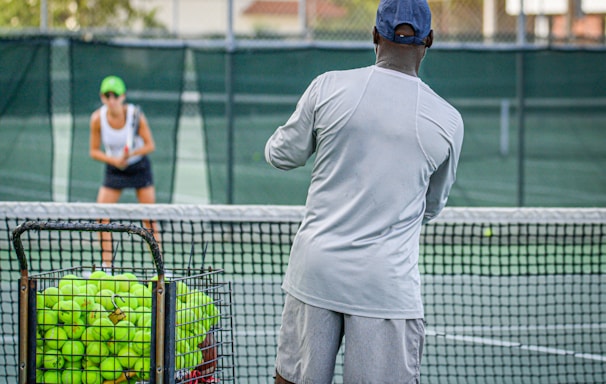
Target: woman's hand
121, 162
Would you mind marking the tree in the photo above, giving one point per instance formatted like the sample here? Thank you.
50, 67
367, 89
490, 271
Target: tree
74, 15
357, 22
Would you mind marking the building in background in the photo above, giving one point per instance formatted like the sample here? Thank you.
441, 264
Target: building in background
562, 20
203, 18
566, 21
289, 17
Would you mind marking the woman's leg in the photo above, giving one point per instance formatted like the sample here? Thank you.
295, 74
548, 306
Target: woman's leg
107, 196
147, 195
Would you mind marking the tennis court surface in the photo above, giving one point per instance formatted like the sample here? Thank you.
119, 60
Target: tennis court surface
511, 295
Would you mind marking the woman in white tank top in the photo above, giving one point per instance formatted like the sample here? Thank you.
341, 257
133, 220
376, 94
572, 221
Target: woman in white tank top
121, 138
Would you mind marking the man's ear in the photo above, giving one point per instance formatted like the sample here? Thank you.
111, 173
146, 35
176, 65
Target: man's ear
429, 39
375, 36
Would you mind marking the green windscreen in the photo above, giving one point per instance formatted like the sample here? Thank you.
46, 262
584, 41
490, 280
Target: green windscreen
154, 81
566, 128
564, 98
265, 87
557, 159
26, 135
563, 93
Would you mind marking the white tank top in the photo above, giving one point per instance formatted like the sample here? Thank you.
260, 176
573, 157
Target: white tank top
115, 139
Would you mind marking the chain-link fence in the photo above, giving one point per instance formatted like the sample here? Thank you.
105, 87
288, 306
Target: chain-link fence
466, 21
222, 33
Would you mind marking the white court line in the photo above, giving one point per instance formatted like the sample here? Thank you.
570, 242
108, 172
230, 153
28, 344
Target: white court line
523, 328
510, 344
445, 330
491, 341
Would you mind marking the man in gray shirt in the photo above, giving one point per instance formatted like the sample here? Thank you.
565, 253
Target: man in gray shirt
387, 148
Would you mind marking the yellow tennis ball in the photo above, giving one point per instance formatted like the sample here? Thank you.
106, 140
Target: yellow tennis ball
96, 311
96, 277
182, 291
111, 368
133, 315
52, 376
141, 342
124, 331
124, 299
39, 301
71, 279
90, 289
104, 297
53, 360
128, 357
75, 330
115, 346
69, 311
487, 232
97, 351
142, 367
47, 318
108, 282
92, 375
142, 294
51, 296
39, 356
73, 350
55, 337
89, 335
124, 281
144, 320
71, 376
103, 329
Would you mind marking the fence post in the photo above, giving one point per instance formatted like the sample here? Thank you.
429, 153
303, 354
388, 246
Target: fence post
520, 60
521, 35
303, 18
520, 100
229, 91
43, 15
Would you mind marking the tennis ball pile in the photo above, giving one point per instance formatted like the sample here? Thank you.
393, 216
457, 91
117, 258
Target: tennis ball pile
97, 329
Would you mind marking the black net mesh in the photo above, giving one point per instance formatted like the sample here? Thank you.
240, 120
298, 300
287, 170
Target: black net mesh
516, 296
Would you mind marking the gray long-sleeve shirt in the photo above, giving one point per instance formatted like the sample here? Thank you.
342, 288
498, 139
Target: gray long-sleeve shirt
387, 148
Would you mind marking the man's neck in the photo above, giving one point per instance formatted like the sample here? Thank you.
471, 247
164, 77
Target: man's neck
403, 67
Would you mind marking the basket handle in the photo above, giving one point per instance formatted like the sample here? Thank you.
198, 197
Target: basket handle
87, 227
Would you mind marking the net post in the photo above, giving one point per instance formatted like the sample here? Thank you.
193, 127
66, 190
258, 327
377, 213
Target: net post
521, 96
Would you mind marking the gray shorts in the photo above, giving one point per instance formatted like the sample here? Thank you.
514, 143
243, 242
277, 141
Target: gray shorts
375, 350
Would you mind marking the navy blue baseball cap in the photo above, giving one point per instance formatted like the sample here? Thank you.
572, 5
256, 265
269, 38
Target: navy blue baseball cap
392, 13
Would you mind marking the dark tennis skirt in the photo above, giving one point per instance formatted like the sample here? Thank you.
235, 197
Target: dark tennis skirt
137, 175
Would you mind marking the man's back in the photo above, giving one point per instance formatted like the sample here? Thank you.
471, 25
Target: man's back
379, 137
386, 149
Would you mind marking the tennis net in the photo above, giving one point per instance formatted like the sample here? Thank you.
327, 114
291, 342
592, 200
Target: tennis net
510, 295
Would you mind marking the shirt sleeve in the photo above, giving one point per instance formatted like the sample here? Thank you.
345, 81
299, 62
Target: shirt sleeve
441, 181
293, 143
